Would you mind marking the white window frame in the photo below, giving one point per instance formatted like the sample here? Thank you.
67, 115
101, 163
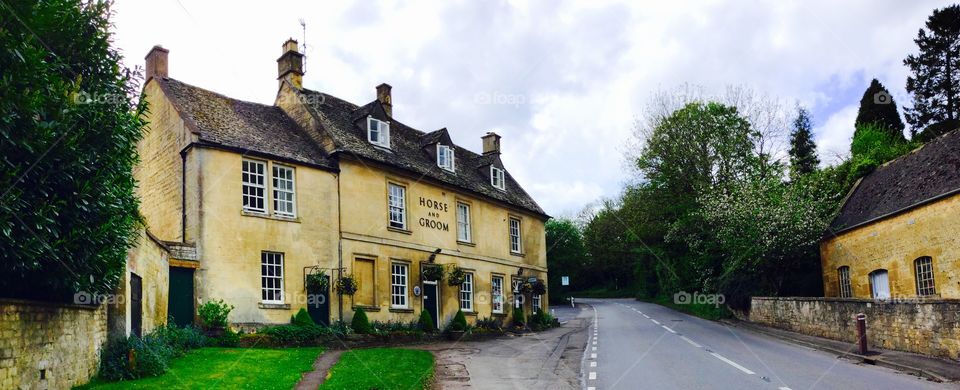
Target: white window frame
497, 178
926, 284
536, 304
843, 277
271, 276
254, 182
446, 158
399, 280
496, 294
516, 242
280, 189
466, 293
463, 223
397, 206
382, 131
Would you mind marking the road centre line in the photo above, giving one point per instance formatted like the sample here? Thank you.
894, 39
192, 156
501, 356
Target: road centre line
668, 329
732, 363
691, 342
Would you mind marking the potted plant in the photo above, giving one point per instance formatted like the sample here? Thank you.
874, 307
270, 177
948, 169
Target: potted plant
346, 285
213, 317
318, 282
432, 273
456, 275
457, 327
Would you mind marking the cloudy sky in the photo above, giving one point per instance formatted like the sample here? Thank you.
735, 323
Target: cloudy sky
562, 82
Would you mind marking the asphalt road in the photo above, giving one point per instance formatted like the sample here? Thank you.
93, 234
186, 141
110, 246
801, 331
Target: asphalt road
637, 345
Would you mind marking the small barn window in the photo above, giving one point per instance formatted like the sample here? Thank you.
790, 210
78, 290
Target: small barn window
924, 270
843, 275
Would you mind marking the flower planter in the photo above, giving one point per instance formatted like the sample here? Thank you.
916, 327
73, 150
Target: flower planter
455, 335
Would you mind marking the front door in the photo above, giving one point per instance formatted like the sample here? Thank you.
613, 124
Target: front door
180, 297
431, 301
880, 284
318, 305
136, 305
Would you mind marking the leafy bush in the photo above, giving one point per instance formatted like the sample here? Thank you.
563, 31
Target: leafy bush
426, 322
519, 319
179, 339
213, 314
302, 318
458, 323
298, 336
229, 339
541, 320
394, 326
488, 323
134, 357
360, 324
258, 340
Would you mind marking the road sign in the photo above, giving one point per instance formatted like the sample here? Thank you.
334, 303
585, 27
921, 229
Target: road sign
564, 280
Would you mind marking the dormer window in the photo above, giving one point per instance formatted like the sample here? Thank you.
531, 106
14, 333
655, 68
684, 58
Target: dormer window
496, 178
378, 132
445, 157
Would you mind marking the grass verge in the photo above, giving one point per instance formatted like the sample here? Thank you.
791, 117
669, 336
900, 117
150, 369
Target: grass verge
705, 311
227, 368
382, 369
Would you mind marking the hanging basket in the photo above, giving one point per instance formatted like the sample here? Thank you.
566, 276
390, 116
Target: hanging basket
432, 273
538, 288
456, 275
346, 285
318, 282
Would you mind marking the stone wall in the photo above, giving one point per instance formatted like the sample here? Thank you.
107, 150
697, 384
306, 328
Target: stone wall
929, 327
49, 346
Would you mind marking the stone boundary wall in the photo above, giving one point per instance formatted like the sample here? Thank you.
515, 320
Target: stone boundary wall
929, 327
48, 345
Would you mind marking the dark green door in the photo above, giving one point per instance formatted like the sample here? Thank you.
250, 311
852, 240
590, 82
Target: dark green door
180, 303
318, 305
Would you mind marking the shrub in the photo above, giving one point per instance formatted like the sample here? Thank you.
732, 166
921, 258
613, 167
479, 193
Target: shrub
135, 357
179, 339
213, 314
360, 324
297, 335
258, 340
541, 320
458, 323
302, 318
378, 327
229, 339
489, 323
426, 322
518, 317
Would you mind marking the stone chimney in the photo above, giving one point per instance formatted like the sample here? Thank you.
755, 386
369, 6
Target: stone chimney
290, 64
491, 143
156, 63
383, 96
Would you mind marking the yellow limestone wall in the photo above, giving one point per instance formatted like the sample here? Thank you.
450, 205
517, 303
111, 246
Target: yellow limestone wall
893, 244
231, 241
367, 241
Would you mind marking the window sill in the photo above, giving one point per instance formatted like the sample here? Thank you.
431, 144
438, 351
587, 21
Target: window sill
255, 214
499, 315
469, 313
399, 230
465, 243
400, 310
518, 254
367, 308
274, 306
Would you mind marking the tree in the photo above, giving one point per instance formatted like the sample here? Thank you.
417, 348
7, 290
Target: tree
803, 151
935, 79
566, 256
68, 133
877, 107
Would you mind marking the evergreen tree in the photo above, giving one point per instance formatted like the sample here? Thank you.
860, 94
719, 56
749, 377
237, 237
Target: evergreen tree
878, 108
803, 151
935, 79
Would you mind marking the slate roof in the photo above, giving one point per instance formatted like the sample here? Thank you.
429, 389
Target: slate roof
342, 121
923, 175
243, 126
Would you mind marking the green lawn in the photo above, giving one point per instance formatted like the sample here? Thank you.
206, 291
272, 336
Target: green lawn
227, 368
382, 369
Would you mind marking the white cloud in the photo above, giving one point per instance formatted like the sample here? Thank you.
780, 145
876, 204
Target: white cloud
584, 70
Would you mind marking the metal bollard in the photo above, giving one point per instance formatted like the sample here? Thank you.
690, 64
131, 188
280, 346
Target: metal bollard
862, 333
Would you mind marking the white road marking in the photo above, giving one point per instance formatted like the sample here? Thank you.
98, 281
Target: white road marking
593, 356
785, 388
593, 375
655, 322
732, 363
594, 348
691, 342
646, 316
668, 329
593, 364
591, 388
594, 342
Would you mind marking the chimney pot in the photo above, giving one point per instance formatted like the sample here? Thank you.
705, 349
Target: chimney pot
156, 62
491, 143
290, 64
383, 96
